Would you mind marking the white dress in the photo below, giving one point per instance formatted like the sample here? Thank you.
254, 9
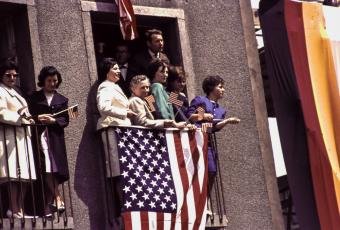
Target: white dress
50, 164
16, 154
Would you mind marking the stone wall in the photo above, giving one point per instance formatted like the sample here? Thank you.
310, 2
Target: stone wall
219, 46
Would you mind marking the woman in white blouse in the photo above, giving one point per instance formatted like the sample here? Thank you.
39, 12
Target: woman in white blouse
114, 110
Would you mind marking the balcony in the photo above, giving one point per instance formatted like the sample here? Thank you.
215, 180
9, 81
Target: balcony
176, 141
12, 141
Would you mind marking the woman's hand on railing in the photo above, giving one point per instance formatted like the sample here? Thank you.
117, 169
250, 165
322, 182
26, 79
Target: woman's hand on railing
46, 119
27, 121
232, 120
183, 125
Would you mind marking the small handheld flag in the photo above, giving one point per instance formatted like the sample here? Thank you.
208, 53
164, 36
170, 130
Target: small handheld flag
173, 99
200, 111
150, 100
72, 111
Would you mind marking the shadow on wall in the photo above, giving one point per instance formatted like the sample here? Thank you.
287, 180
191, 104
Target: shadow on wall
89, 179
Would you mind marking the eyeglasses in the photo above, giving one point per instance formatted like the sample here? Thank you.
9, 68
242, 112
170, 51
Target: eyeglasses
14, 75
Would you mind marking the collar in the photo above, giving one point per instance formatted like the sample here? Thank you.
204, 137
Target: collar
125, 66
153, 55
10, 91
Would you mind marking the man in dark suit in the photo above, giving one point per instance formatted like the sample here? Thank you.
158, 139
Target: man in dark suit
155, 45
122, 54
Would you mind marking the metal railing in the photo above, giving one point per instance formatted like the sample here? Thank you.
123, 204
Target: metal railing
216, 199
33, 204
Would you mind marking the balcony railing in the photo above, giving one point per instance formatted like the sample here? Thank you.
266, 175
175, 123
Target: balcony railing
216, 200
33, 203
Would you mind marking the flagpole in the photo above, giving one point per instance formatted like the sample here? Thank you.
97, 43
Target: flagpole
63, 111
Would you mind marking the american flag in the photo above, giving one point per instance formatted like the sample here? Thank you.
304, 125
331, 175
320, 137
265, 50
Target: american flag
200, 111
173, 99
207, 127
164, 174
127, 19
150, 100
73, 111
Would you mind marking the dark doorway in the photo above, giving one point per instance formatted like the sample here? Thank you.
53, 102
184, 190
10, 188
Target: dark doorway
106, 30
15, 42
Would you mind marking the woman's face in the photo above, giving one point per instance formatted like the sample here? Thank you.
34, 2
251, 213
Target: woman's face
142, 89
218, 91
179, 85
51, 83
114, 74
9, 78
161, 75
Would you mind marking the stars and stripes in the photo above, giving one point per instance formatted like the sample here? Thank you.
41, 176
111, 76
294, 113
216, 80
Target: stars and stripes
150, 100
207, 127
73, 111
200, 111
164, 177
173, 99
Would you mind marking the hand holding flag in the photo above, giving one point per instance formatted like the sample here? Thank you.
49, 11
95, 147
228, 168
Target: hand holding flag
200, 111
72, 111
150, 100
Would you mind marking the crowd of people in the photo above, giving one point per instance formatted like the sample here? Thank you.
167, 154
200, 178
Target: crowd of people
18, 163
145, 90
142, 89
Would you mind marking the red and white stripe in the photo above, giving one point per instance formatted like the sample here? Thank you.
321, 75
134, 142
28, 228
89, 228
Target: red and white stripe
127, 19
188, 161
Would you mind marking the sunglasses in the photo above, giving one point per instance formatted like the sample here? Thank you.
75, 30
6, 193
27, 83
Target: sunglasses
11, 75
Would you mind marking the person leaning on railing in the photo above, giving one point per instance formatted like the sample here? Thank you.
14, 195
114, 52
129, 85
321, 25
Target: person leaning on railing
140, 86
213, 87
113, 106
158, 74
43, 104
17, 167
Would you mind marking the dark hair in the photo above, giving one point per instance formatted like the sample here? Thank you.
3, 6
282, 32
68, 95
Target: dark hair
176, 73
210, 82
48, 71
154, 66
105, 67
122, 43
149, 33
7, 65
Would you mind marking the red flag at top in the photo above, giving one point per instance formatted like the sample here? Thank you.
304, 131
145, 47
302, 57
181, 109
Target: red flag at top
127, 19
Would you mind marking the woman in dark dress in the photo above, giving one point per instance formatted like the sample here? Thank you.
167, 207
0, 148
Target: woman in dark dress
43, 104
176, 83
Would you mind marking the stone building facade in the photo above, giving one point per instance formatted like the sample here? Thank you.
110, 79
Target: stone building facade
207, 37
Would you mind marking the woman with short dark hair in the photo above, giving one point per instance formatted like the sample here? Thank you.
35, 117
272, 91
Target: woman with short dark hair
212, 112
113, 106
158, 74
16, 155
43, 105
